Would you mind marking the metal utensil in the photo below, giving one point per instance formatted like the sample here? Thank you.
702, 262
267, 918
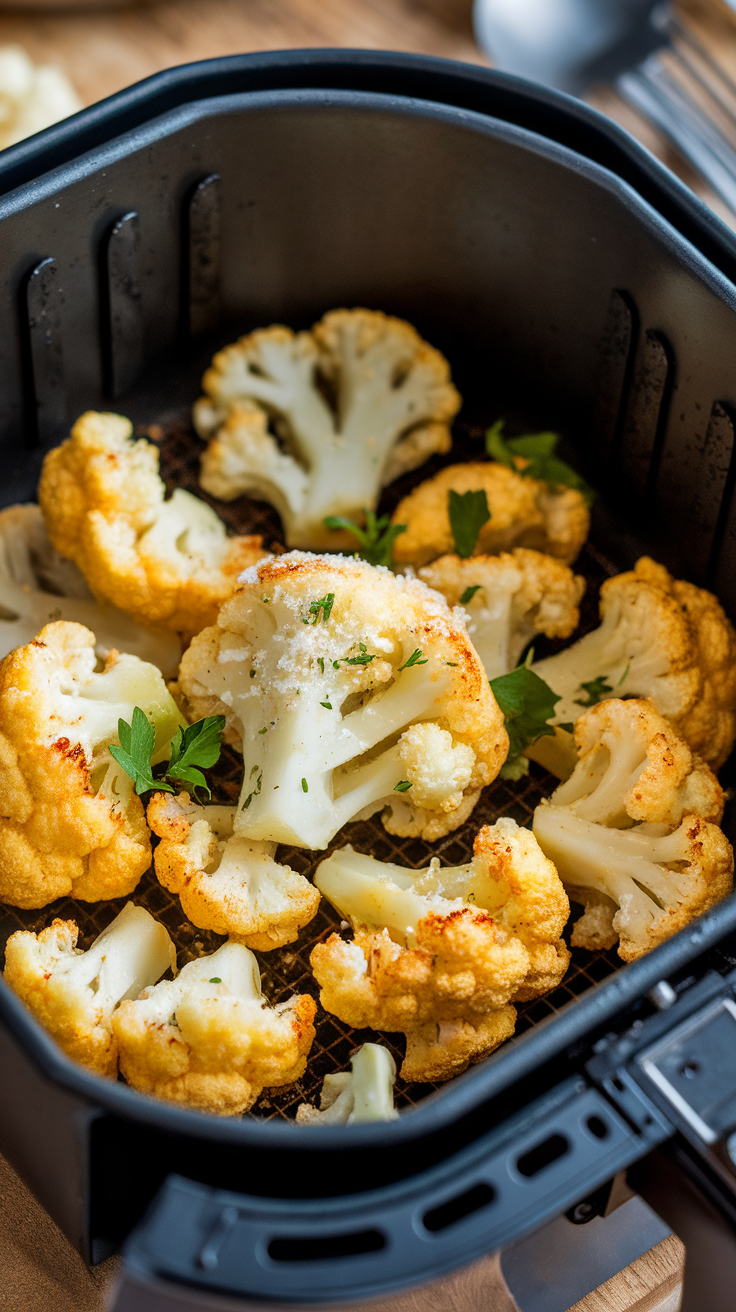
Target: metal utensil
638, 46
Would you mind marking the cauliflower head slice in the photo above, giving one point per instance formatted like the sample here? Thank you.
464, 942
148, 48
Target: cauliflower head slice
167, 562
345, 683
73, 994
209, 1039
70, 822
632, 831
659, 638
445, 945
393, 404
514, 596
365, 1093
37, 585
524, 513
228, 884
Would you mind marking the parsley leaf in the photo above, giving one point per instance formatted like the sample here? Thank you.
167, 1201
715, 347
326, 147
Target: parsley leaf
376, 539
402, 786
134, 752
196, 745
468, 513
595, 690
527, 703
322, 608
533, 456
414, 659
469, 593
363, 659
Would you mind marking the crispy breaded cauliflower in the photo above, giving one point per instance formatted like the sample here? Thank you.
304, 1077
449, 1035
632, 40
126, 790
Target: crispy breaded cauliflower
365, 1093
38, 585
514, 597
659, 637
441, 954
209, 1039
524, 513
339, 679
393, 404
228, 884
166, 562
32, 96
70, 822
634, 831
73, 994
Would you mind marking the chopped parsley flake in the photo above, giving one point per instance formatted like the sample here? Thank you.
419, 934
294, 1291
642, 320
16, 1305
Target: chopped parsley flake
215, 980
402, 786
362, 659
305, 786
414, 659
321, 663
469, 593
327, 705
468, 513
321, 609
595, 691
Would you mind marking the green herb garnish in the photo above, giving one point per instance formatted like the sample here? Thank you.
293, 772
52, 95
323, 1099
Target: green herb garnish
527, 703
327, 705
321, 609
376, 539
533, 456
402, 786
468, 513
469, 593
414, 659
595, 691
197, 745
305, 786
215, 980
363, 659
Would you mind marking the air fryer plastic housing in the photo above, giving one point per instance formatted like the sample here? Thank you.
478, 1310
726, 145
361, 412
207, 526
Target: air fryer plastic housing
565, 274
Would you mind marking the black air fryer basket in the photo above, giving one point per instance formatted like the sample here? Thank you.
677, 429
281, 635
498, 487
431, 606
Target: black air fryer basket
572, 283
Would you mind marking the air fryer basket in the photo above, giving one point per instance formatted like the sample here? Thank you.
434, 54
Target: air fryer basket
270, 188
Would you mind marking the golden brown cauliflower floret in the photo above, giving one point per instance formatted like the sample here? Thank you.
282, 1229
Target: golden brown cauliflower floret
631, 832
209, 1039
73, 994
231, 885
38, 585
392, 406
166, 562
349, 688
441, 954
70, 822
661, 638
524, 513
514, 596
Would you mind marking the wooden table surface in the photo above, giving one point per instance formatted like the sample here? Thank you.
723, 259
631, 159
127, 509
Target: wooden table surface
103, 51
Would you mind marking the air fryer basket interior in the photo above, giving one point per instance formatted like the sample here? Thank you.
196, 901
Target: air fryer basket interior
557, 298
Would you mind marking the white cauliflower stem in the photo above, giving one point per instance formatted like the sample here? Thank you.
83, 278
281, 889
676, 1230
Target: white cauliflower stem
73, 994
365, 1093
393, 402
38, 585
508, 599
351, 690
209, 1039
631, 832
228, 884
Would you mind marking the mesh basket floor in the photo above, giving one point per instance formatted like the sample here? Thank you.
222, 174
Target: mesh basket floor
286, 970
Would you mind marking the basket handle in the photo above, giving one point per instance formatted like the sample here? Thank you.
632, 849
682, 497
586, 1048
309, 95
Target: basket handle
198, 1245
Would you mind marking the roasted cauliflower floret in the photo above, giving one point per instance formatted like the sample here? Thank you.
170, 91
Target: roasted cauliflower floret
209, 1039
70, 822
524, 513
659, 637
393, 404
32, 96
513, 597
166, 562
441, 954
364, 1093
228, 884
340, 678
73, 994
38, 585
633, 832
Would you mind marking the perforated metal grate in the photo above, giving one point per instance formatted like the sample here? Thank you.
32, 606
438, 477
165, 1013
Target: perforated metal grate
286, 970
